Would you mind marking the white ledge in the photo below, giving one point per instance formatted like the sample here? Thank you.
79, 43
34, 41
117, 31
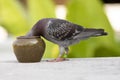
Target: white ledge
74, 69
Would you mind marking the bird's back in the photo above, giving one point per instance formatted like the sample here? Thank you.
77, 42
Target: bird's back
62, 30
66, 33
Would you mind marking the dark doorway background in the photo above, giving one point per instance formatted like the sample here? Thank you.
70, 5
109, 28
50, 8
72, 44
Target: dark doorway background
111, 1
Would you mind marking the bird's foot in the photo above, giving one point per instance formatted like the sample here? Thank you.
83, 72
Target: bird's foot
57, 60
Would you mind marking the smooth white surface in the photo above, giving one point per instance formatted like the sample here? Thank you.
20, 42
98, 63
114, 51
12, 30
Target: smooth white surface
74, 69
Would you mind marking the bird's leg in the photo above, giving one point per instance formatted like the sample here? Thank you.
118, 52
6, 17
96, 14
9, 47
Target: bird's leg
66, 50
62, 50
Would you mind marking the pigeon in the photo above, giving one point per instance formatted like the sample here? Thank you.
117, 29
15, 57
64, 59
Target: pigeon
63, 33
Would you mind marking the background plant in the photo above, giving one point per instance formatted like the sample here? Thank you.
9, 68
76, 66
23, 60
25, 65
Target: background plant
18, 18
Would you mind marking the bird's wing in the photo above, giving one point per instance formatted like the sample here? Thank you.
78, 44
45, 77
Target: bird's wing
63, 30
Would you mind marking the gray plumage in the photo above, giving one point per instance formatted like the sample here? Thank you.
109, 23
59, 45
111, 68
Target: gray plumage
63, 33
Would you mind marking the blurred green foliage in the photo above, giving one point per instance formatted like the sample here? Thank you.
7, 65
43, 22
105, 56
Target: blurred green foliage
91, 14
18, 20
12, 17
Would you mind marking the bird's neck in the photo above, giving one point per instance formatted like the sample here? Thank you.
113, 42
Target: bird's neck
30, 33
35, 31
38, 29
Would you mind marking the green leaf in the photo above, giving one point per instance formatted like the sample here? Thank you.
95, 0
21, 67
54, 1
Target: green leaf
39, 9
12, 17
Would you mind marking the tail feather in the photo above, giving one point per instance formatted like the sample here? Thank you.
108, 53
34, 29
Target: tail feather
95, 32
90, 32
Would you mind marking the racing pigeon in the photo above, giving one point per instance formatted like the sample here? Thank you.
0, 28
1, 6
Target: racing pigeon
63, 33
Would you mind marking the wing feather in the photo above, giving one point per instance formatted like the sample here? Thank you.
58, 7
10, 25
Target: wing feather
62, 30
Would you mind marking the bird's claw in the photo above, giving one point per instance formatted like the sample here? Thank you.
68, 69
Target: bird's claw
57, 60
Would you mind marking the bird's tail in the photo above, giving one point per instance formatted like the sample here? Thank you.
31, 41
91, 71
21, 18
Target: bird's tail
90, 32
95, 32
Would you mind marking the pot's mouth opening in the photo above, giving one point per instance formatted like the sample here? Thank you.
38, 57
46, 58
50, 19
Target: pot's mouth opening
28, 37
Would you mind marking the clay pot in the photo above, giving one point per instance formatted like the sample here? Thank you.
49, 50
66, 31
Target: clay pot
29, 49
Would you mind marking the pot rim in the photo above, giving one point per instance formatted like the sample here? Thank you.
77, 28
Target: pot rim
28, 37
